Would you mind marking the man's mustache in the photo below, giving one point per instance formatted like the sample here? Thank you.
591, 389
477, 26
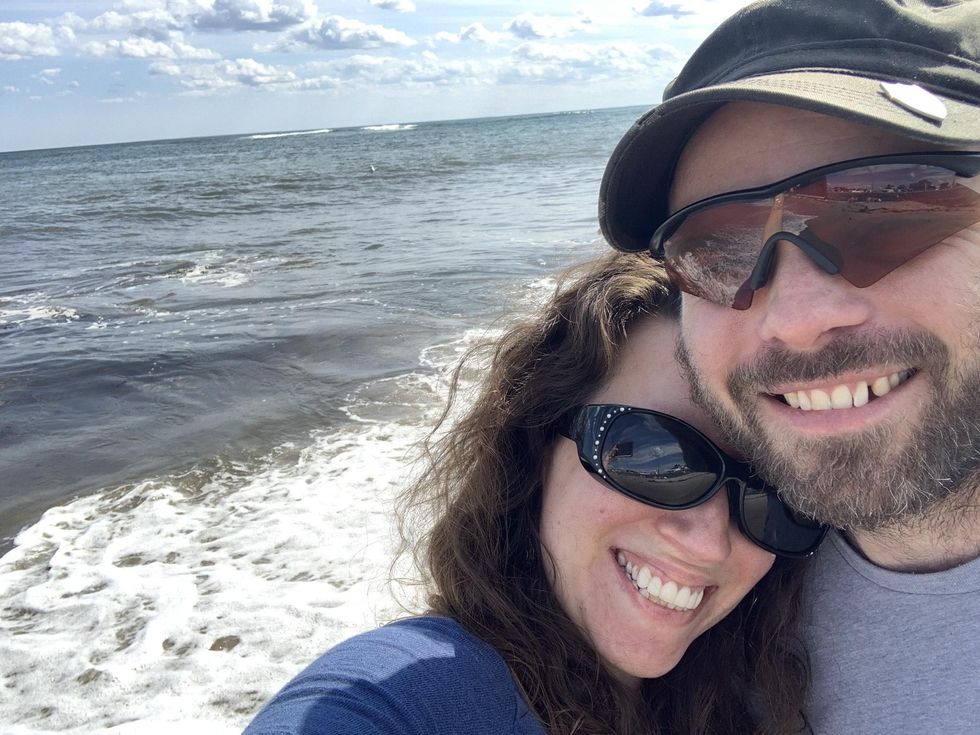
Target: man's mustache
853, 352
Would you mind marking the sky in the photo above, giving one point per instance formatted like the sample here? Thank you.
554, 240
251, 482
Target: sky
103, 71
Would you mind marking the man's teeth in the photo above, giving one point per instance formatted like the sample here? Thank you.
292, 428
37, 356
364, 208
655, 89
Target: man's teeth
668, 593
844, 396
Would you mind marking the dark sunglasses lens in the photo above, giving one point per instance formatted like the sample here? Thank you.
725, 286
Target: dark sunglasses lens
713, 251
880, 217
659, 460
769, 521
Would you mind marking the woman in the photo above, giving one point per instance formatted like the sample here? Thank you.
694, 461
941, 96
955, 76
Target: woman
585, 571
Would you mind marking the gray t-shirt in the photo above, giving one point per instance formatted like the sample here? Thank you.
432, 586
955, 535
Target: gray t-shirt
892, 653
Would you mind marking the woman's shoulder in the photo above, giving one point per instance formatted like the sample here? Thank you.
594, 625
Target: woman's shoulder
418, 675
426, 636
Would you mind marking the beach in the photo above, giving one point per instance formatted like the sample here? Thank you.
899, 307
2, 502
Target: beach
219, 358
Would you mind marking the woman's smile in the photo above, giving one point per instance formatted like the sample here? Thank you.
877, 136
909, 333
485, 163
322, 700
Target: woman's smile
658, 587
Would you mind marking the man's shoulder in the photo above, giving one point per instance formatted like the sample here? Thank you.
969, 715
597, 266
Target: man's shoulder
418, 675
874, 635
838, 569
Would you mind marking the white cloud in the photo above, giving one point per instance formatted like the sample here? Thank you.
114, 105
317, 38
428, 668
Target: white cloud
252, 15
541, 62
137, 97
704, 13
336, 32
528, 26
400, 6
48, 76
426, 69
10, 89
24, 40
473, 32
146, 48
365, 71
658, 9
155, 23
311, 84
159, 19
225, 74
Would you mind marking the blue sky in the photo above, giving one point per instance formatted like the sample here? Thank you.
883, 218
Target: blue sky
102, 71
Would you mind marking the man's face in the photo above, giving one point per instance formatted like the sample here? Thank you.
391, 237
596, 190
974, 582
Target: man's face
916, 333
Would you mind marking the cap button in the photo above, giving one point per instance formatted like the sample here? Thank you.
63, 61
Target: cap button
915, 99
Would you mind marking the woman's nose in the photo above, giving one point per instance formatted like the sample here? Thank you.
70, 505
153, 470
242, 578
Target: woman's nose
704, 532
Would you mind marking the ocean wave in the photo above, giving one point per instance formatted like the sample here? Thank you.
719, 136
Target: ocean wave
34, 308
389, 128
188, 580
540, 290
266, 136
418, 395
212, 268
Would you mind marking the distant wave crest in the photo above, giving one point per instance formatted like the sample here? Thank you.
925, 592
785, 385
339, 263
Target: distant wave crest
264, 136
389, 128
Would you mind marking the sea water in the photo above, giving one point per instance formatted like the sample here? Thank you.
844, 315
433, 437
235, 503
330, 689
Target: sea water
217, 358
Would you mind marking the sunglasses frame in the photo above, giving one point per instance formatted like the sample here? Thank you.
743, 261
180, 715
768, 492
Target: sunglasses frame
586, 426
964, 164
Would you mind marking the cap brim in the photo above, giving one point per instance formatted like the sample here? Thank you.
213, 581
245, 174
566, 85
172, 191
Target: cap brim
633, 194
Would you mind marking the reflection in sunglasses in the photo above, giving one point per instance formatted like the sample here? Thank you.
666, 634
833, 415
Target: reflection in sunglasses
861, 221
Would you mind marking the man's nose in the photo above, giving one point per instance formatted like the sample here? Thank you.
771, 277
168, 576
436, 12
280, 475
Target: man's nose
802, 303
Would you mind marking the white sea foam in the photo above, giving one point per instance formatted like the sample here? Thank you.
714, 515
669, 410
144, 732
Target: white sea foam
214, 269
183, 603
265, 136
389, 128
539, 291
160, 602
216, 276
34, 307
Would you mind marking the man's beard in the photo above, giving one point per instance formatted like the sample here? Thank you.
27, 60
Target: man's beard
894, 473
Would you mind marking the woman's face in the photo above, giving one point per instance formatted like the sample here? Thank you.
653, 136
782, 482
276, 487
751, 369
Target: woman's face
591, 531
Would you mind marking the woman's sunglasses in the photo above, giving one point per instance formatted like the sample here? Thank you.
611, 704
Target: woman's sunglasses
662, 461
861, 219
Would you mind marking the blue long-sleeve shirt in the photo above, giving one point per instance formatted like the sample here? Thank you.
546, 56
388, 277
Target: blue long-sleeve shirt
421, 676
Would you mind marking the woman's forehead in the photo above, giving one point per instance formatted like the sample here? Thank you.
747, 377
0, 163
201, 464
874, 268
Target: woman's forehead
647, 374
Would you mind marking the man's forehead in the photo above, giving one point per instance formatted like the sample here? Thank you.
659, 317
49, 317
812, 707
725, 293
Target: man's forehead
747, 144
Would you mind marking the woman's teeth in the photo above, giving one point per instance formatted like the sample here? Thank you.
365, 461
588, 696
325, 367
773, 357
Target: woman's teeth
667, 594
844, 396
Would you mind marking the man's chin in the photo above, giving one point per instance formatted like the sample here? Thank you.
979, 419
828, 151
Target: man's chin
845, 482
884, 476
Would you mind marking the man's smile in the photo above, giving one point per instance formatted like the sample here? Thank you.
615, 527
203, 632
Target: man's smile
845, 394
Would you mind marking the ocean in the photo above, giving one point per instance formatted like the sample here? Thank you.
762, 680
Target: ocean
217, 358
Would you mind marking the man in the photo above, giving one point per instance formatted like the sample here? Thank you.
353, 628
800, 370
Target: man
831, 323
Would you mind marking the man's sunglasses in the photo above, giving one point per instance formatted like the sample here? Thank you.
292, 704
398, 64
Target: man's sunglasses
861, 219
662, 461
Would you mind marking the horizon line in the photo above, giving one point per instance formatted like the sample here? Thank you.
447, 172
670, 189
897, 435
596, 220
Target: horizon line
331, 129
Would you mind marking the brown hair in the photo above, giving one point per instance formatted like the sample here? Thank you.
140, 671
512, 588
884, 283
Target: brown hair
479, 497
